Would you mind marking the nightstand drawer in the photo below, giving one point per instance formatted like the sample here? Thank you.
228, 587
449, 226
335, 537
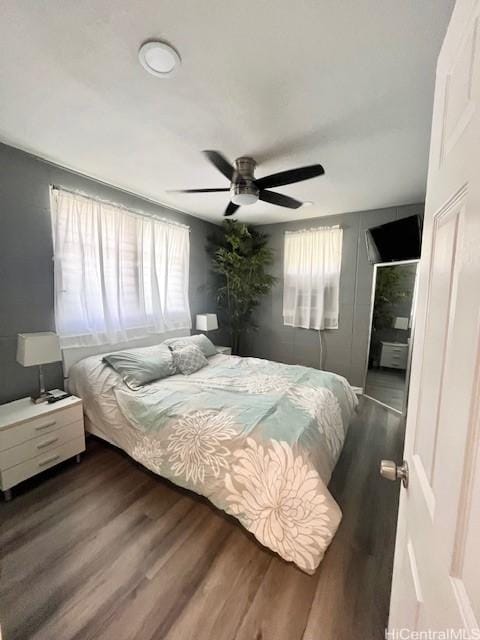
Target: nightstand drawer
395, 362
40, 445
392, 364
395, 348
394, 356
14, 475
18, 433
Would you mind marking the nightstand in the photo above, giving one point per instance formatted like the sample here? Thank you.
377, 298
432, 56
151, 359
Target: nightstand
34, 437
227, 351
394, 355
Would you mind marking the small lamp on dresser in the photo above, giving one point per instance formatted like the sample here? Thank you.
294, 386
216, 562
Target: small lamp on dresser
37, 349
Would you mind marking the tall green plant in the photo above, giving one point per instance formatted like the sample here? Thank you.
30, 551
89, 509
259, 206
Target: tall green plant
389, 290
240, 257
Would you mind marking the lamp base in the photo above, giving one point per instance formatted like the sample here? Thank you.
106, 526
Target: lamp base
43, 397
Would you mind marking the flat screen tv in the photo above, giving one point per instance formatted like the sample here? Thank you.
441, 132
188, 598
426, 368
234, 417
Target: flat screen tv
398, 240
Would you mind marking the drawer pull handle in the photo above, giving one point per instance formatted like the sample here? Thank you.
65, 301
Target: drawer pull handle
45, 443
48, 460
45, 426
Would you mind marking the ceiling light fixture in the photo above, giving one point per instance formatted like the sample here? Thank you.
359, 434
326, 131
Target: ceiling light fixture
159, 58
307, 203
244, 199
244, 192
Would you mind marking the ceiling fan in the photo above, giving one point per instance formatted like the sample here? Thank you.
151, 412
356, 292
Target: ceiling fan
245, 189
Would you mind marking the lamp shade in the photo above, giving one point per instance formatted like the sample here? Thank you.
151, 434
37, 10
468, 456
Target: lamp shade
401, 323
38, 348
206, 322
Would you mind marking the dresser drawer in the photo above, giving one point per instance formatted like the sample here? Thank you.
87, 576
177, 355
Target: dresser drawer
395, 350
397, 361
393, 364
40, 445
18, 433
394, 356
14, 475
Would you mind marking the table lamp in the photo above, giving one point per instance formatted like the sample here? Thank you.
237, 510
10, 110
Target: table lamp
37, 349
206, 322
401, 323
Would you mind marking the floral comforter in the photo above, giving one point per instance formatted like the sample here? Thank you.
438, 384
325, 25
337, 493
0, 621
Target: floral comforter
259, 439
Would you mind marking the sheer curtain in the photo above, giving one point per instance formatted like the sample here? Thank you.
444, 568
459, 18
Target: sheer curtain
119, 275
313, 259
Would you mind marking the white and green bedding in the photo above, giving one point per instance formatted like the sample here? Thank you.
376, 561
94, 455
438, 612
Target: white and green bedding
259, 439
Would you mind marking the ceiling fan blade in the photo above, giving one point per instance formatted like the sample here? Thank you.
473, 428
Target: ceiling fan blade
288, 177
221, 163
279, 199
231, 208
196, 190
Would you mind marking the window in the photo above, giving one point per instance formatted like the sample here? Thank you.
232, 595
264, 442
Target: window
119, 275
313, 260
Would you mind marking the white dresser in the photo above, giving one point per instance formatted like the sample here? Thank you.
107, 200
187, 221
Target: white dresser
34, 437
394, 355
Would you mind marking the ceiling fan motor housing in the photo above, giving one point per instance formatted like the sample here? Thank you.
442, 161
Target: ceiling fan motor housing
244, 190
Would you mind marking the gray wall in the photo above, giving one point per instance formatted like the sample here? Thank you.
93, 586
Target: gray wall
26, 275
345, 349
26, 268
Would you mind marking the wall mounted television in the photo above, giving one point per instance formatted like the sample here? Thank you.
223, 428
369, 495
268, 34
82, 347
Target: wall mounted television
394, 241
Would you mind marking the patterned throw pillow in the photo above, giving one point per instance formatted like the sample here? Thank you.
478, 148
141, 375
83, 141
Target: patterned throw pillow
200, 340
189, 359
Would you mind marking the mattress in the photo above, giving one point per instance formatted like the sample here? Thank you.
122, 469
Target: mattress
258, 438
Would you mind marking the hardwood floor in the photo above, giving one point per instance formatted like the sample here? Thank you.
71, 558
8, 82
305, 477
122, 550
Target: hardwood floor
387, 386
105, 550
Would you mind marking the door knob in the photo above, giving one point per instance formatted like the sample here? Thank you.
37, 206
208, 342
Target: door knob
392, 471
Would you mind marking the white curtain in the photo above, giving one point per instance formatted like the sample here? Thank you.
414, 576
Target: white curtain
313, 259
119, 275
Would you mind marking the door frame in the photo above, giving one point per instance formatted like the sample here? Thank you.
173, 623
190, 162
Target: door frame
413, 310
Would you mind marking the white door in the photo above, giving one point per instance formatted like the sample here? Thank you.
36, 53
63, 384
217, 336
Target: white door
436, 578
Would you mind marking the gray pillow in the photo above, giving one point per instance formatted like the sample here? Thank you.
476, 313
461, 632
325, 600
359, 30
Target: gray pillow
189, 359
140, 366
201, 341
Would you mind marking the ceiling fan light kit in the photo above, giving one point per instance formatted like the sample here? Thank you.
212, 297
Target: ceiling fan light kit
245, 189
244, 195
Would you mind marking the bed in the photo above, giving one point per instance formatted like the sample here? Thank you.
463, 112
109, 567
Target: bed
258, 438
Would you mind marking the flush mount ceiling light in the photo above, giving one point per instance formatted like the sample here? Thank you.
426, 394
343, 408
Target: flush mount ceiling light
159, 58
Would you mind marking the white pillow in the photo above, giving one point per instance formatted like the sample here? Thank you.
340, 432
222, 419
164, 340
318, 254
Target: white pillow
142, 365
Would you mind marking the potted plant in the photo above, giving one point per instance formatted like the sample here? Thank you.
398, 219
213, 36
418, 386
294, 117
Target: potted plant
240, 258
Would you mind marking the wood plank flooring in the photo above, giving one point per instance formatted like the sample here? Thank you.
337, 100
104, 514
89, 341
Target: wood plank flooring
105, 550
387, 386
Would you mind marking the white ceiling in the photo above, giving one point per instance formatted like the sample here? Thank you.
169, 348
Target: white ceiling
347, 83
